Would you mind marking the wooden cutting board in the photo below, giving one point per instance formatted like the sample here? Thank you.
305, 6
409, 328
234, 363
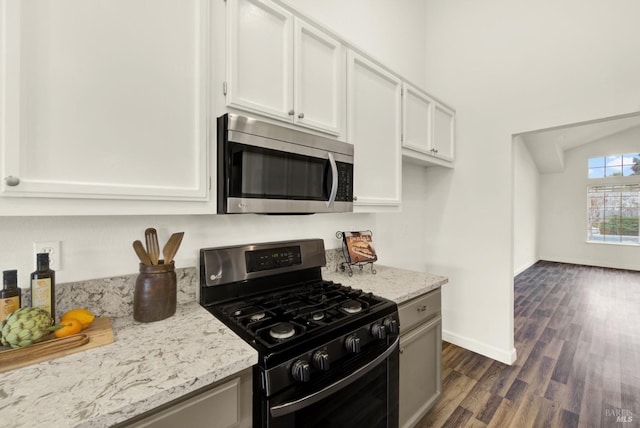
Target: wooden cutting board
99, 333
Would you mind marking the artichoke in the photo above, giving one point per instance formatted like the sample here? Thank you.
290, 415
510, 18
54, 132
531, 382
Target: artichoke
25, 326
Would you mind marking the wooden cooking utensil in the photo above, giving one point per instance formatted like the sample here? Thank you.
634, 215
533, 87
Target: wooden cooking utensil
142, 254
171, 247
153, 248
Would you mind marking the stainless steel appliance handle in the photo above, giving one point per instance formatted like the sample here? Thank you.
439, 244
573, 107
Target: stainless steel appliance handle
294, 406
334, 183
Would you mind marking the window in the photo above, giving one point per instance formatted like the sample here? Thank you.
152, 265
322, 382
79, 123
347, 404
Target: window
613, 213
614, 166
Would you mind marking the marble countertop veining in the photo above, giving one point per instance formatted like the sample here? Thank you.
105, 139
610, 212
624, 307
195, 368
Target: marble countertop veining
149, 365
399, 285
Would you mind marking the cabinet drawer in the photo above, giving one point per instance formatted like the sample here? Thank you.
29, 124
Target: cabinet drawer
419, 310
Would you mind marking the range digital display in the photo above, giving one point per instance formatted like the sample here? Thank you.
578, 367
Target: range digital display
260, 260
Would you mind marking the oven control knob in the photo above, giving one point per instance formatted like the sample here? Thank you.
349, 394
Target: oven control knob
321, 360
352, 343
301, 371
378, 331
391, 325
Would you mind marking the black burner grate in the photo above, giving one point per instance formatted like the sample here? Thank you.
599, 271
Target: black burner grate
307, 306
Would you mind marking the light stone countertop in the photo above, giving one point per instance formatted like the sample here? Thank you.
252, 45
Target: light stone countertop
149, 365
399, 285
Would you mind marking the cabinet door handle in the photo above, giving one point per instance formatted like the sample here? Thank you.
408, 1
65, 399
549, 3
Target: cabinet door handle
12, 180
422, 308
291, 112
301, 116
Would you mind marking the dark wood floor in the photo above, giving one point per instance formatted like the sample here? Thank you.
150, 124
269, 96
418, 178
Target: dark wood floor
577, 336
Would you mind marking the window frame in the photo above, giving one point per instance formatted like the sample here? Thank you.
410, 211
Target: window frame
606, 162
615, 189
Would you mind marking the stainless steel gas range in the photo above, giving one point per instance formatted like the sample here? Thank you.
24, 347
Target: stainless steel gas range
328, 354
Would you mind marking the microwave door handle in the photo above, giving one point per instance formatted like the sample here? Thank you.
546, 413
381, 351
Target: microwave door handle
334, 180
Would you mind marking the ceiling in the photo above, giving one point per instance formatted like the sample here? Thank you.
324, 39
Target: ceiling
547, 146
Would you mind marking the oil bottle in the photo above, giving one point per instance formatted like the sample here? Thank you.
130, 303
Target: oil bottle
43, 285
10, 295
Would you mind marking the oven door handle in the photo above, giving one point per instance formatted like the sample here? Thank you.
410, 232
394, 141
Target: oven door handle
334, 179
294, 406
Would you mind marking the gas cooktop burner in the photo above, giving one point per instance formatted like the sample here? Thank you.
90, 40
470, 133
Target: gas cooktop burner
243, 310
257, 317
351, 306
283, 330
317, 316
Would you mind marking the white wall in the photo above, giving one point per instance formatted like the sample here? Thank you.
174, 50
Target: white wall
404, 233
525, 207
100, 246
563, 209
509, 67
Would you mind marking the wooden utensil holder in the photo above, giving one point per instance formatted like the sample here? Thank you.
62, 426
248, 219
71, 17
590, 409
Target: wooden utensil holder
155, 295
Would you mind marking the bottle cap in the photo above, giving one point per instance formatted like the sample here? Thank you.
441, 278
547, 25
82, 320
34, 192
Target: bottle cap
10, 279
43, 257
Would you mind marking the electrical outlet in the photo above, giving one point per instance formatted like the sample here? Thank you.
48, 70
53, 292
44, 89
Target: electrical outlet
51, 247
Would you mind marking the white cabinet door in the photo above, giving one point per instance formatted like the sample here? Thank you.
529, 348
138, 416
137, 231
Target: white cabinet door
283, 68
428, 128
417, 111
374, 129
319, 76
260, 58
104, 100
443, 132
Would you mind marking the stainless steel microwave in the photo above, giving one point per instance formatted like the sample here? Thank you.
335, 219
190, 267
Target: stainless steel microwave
270, 169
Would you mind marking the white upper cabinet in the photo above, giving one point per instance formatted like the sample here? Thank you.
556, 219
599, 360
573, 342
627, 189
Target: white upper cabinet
104, 100
320, 78
444, 128
428, 128
260, 58
374, 130
417, 111
281, 67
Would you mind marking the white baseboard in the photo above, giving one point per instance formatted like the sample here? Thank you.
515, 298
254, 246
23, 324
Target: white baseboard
504, 356
525, 267
614, 265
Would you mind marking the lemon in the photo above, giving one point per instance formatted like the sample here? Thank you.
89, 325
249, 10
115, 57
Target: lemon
84, 316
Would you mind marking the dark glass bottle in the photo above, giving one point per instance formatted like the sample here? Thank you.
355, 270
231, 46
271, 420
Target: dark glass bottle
10, 295
43, 286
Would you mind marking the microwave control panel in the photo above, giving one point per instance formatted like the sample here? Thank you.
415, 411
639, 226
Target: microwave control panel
345, 182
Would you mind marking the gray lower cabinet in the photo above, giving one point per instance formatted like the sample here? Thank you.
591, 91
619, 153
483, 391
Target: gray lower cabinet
225, 404
420, 356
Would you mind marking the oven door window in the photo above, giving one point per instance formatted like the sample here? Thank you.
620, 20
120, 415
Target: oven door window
370, 402
257, 172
